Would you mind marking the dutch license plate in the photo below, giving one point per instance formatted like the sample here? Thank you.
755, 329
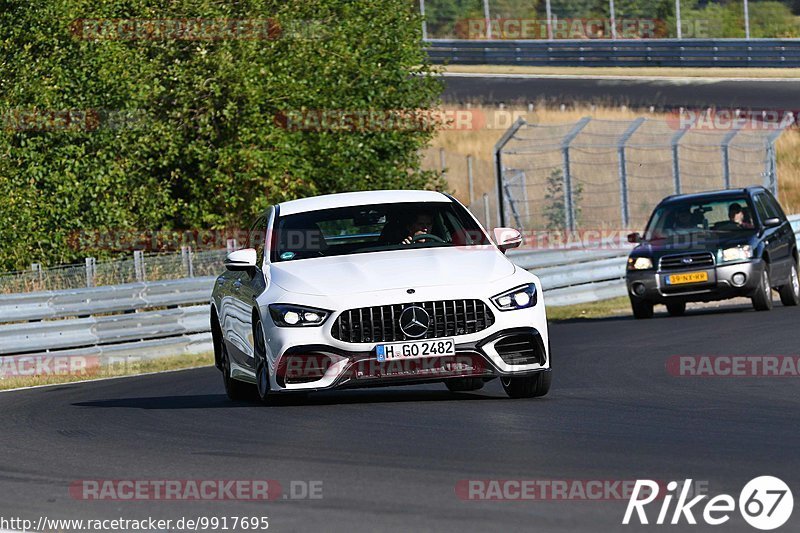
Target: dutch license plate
415, 349
689, 277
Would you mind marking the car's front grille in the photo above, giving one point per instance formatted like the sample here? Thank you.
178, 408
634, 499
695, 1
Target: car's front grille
687, 260
447, 318
521, 349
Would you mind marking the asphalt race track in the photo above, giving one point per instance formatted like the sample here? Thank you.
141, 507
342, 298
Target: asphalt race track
669, 93
390, 459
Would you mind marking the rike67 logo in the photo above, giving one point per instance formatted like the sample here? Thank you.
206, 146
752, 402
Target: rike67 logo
765, 503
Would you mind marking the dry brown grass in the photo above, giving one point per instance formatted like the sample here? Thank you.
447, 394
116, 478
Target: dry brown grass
479, 143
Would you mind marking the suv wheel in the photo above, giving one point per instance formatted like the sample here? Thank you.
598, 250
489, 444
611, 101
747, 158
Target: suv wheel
762, 299
642, 308
676, 308
790, 293
528, 386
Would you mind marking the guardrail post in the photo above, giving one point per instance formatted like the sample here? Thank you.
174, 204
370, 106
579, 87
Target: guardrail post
498, 166
726, 165
569, 207
676, 163
91, 270
623, 172
138, 266
186, 259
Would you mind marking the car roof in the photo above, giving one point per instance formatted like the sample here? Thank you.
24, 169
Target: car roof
712, 195
347, 199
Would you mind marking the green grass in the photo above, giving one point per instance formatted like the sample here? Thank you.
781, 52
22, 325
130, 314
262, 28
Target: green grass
176, 362
600, 309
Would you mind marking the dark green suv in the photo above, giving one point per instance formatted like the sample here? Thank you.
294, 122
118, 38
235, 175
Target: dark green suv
713, 246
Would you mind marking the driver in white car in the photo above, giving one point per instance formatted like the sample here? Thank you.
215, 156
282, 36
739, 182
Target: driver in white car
421, 224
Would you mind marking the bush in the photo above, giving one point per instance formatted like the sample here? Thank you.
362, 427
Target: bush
172, 133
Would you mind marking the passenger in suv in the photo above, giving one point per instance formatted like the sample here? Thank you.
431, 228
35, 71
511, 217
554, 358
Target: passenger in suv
702, 247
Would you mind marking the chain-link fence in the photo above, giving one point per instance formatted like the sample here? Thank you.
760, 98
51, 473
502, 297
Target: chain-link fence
140, 267
607, 174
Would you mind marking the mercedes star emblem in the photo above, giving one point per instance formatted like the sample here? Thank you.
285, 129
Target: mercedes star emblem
414, 321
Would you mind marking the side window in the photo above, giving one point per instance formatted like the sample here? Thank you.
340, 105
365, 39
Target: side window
761, 207
257, 236
773, 207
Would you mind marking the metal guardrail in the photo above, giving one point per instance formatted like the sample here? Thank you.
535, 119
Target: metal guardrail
619, 53
42, 322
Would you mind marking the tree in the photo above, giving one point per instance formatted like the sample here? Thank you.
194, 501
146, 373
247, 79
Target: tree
184, 133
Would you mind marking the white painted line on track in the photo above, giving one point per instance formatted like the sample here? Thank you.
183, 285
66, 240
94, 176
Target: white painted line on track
674, 79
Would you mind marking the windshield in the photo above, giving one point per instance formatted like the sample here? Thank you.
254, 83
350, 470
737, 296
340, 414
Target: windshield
374, 228
691, 217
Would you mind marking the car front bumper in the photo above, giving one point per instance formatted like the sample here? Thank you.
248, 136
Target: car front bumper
651, 285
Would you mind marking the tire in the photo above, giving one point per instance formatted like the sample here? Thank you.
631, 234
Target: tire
676, 308
464, 384
528, 386
641, 308
790, 293
262, 372
236, 390
762, 299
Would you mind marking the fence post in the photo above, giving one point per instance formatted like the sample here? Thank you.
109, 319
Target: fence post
726, 165
90, 271
486, 212
36, 268
138, 266
424, 25
442, 162
470, 180
771, 163
623, 171
569, 207
232, 245
498, 166
676, 163
186, 259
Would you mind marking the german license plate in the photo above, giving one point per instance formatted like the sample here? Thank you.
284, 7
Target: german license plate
415, 349
689, 277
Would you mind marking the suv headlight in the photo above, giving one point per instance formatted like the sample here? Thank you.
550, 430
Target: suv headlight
737, 253
639, 263
519, 298
294, 316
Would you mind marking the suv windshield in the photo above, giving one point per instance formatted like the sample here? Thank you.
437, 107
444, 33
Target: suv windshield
690, 217
374, 228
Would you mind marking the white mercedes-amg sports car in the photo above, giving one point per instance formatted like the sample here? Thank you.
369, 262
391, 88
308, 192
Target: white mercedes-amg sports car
377, 289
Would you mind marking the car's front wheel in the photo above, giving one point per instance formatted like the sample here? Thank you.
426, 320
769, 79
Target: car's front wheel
262, 371
527, 386
235, 389
762, 298
641, 308
790, 293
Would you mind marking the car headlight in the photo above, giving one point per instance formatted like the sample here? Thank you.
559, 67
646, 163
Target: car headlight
519, 298
295, 316
639, 263
737, 253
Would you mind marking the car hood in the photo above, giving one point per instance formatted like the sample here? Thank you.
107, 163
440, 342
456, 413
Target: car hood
379, 271
700, 242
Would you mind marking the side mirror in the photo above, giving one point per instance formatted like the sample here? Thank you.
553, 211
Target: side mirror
773, 222
634, 238
507, 238
241, 260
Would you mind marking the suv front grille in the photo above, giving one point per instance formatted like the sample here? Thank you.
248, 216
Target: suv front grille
448, 318
688, 260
